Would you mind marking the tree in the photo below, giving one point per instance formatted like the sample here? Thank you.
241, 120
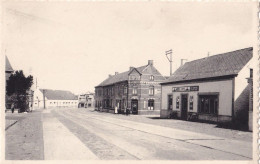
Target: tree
16, 89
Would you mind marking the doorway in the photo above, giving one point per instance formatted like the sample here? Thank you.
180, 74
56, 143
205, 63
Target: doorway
184, 106
134, 106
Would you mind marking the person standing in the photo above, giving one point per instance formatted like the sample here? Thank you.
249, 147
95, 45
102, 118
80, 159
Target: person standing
12, 107
116, 109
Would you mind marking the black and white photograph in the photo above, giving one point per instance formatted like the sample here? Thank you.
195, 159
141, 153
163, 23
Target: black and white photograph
127, 81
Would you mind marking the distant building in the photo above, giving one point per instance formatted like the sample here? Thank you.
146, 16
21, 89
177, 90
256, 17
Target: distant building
213, 88
86, 100
138, 89
54, 98
8, 71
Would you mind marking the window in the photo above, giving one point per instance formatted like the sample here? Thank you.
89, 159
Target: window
169, 102
177, 102
150, 104
208, 104
134, 90
151, 90
191, 102
151, 77
125, 89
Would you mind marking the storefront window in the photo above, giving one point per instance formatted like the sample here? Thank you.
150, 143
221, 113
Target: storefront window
169, 102
177, 102
208, 104
191, 102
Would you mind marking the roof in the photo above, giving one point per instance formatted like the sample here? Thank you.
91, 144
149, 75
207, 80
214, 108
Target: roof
120, 77
8, 67
225, 64
59, 95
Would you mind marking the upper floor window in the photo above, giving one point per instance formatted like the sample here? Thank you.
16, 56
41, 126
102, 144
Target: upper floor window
151, 90
152, 78
134, 90
125, 89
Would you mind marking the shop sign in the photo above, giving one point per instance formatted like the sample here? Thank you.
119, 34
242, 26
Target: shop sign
185, 89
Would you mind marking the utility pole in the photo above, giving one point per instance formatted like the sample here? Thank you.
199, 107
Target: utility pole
169, 52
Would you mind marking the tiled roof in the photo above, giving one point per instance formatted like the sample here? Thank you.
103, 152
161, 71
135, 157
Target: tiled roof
120, 77
59, 95
229, 63
146, 69
8, 67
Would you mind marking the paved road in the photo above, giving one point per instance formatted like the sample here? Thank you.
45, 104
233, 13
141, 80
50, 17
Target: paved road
85, 134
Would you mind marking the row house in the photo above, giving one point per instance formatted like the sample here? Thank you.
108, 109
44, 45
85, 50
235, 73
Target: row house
138, 89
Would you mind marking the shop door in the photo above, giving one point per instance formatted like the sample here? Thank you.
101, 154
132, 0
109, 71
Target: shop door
134, 106
184, 106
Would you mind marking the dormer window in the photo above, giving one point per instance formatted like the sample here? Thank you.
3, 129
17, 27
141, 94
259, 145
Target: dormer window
152, 78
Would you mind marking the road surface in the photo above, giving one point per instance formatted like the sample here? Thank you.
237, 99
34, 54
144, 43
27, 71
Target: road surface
86, 134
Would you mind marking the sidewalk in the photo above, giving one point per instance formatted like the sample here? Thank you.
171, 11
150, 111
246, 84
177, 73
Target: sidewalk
23, 140
60, 143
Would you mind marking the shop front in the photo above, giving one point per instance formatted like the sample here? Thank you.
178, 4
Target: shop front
208, 100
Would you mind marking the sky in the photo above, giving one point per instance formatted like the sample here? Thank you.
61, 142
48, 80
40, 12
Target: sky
75, 45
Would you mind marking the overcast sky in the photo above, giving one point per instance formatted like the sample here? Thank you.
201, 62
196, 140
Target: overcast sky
75, 45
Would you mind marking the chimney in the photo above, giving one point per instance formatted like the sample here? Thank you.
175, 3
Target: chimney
130, 68
116, 73
251, 73
150, 62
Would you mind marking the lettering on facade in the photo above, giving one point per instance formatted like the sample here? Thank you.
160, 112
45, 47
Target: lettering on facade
185, 89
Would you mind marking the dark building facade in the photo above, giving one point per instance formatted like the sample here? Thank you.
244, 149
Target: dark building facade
138, 89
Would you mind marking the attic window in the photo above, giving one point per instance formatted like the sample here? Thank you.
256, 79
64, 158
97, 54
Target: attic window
152, 78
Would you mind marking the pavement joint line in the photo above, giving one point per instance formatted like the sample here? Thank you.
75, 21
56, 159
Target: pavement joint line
11, 125
101, 137
170, 138
204, 139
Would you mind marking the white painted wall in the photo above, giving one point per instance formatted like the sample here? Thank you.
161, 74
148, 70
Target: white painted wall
241, 81
38, 102
223, 87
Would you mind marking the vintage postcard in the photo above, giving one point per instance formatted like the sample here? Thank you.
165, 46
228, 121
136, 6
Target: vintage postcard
128, 81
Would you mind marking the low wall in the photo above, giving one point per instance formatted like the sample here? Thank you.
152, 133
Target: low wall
149, 112
164, 113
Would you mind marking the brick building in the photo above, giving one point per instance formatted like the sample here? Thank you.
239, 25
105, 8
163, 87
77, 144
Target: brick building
138, 89
215, 88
